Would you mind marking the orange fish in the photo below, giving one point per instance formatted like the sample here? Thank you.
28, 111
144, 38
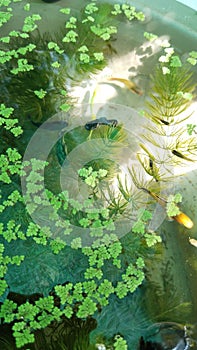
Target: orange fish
129, 84
181, 218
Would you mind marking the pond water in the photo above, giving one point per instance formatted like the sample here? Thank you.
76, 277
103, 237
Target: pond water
163, 310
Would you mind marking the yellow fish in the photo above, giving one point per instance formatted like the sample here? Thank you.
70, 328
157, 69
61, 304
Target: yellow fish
181, 218
129, 84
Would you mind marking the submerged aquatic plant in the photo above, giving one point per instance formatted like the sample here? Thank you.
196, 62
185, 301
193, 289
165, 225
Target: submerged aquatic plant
105, 151
36, 73
43, 66
84, 296
173, 89
169, 98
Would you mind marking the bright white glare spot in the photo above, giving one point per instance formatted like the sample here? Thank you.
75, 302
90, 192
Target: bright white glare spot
100, 347
119, 66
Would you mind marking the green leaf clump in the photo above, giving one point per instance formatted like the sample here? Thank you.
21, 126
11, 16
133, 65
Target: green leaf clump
171, 208
120, 343
40, 67
7, 122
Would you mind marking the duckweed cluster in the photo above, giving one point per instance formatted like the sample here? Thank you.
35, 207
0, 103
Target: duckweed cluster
39, 66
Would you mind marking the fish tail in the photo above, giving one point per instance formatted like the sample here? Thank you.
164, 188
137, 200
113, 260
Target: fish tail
184, 220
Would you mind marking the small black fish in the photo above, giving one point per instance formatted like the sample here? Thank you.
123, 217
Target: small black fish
157, 119
93, 124
151, 163
180, 155
164, 121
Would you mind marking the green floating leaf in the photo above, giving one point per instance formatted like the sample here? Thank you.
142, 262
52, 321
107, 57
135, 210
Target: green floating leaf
40, 93
91, 8
71, 23
84, 57
165, 70
24, 337
23, 66
83, 49
186, 95
121, 290
65, 10
29, 22
5, 39
120, 343
178, 198
98, 56
192, 61
145, 215
13, 154
76, 243
46, 303
6, 111
117, 10
191, 128
8, 309
172, 209
138, 227
175, 62
150, 36
193, 54
3, 287
17, 131
27, 7
152, 239
87, 308
68, 311
15, 33
56, 64
71, 36
27, 311
106, 288
57, 245
65, 107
